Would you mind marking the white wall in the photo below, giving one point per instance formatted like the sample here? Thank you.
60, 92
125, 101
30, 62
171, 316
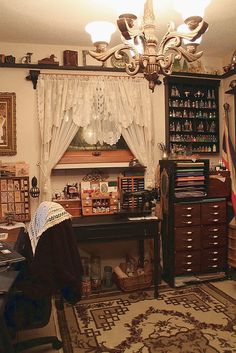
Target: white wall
28, 144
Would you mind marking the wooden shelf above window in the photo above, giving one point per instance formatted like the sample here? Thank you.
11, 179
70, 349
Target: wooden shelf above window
95, 159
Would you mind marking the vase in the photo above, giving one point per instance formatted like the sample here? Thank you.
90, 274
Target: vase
165, 155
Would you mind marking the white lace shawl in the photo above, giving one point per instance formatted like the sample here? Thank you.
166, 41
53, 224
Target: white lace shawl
46, 216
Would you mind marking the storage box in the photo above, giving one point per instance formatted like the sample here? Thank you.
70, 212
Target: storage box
219, 184
70, 58
133, 283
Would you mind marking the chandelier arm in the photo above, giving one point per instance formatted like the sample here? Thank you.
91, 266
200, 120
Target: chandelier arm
166, 60
127, 31
103, 56
174, 38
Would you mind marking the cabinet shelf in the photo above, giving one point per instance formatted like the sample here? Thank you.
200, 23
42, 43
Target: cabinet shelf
194, 229
192, 108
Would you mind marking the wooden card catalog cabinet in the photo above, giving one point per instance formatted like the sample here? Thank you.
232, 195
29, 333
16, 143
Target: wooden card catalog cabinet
14, 193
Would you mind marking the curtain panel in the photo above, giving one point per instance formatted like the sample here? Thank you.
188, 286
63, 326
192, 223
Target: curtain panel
107, 106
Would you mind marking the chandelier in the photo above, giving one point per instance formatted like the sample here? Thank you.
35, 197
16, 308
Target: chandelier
145, 55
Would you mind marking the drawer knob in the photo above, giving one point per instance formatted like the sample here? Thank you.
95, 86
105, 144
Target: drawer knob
214, 230
188, 208
189, 263
188, 239
187, 215
188, 222
215, 220
215, 206
189, 246
189, 270
189, 256
214, 213
215, 252
214, 236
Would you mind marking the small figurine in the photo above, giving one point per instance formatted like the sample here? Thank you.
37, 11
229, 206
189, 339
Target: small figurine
27, 58
9, 218
49, 61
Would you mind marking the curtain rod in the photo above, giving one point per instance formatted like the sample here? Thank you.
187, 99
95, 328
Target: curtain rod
93, 74
34, 74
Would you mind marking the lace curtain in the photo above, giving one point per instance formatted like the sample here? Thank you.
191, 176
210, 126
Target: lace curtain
107, 106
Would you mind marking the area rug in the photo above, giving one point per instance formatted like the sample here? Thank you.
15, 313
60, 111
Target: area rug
194, 319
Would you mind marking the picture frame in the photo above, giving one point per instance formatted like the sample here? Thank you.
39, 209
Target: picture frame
7, 123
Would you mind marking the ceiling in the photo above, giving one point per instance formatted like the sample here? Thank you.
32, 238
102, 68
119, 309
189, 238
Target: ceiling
62, 22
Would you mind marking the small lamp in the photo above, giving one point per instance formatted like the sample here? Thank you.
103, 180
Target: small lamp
100, 32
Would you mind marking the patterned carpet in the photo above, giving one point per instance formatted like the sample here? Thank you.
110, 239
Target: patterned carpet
195, 319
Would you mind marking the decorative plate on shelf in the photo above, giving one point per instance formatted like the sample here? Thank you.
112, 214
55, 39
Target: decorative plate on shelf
120, 63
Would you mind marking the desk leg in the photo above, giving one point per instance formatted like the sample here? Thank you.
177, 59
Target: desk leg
141, 252
5, 339
155, 262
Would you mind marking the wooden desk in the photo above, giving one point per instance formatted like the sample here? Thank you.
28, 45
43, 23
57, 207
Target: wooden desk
109, 228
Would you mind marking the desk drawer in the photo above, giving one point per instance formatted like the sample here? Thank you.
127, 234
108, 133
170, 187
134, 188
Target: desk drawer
213, 259
187, 238
187, 262
213, 212
214, 236
115, 231
187, 214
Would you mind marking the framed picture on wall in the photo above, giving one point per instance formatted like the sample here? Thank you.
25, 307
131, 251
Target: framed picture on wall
7, 124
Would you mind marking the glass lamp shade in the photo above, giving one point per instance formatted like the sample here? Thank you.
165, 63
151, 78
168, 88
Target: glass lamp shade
191, 8
184, 29
100, 31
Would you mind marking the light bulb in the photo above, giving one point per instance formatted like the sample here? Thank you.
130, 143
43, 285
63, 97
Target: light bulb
100, 31
191, 8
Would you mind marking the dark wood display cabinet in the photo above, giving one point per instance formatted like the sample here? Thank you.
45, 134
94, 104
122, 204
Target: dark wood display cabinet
194, 228
192, 114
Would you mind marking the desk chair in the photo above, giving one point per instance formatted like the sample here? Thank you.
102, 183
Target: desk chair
54, 268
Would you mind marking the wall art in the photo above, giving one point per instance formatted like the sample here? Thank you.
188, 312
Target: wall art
7, 124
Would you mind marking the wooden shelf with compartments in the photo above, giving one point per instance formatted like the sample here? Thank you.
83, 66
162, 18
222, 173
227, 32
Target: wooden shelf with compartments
129, 185
14, 193
192, 114
194, 225
99, 203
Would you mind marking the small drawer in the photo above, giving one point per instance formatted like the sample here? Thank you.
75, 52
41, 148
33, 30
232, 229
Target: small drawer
214, 236
187, 258
187, 262
232, 242
87, 202
87, 211
232, 253
114, 201
75, 212
188, 238
70, 203
187, 215
213, 212
213, 260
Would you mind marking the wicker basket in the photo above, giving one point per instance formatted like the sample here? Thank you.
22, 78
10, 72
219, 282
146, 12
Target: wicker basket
133, 283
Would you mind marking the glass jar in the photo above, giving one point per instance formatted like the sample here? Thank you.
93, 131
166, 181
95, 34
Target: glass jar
107, 277
95, 273
86, 282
